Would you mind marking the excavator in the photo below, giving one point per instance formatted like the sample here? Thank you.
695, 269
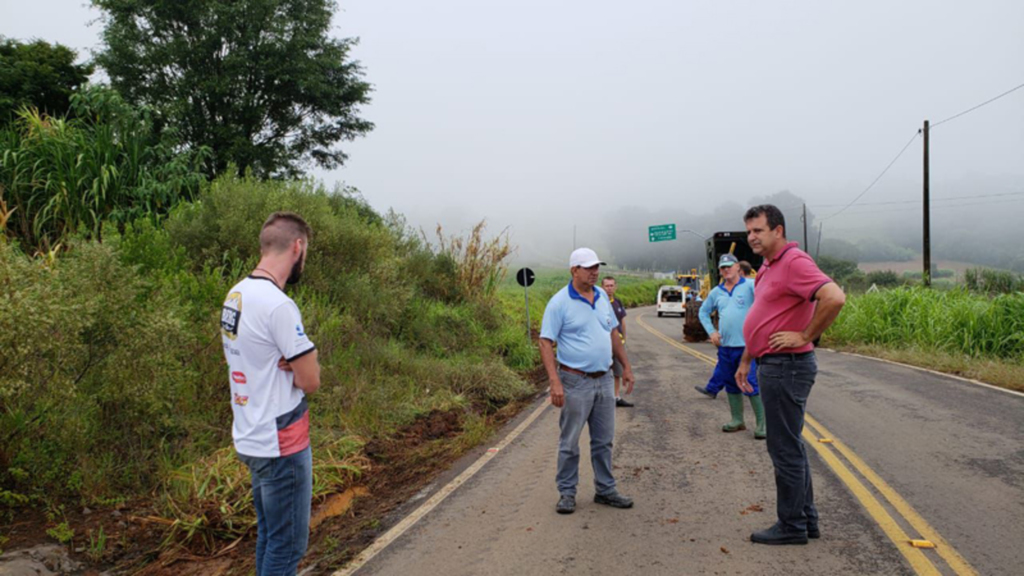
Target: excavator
719, 243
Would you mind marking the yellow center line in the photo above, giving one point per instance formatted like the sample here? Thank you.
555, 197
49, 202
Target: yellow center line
945, 551
917, 559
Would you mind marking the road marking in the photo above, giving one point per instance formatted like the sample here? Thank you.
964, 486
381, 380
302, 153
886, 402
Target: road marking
917, 559
398, 529
945, 551
936, 372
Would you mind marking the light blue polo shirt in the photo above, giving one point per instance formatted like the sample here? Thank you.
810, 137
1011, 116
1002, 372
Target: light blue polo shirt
732, 311
581, 330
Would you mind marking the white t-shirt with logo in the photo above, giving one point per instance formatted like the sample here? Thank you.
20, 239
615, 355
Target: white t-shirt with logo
260, 325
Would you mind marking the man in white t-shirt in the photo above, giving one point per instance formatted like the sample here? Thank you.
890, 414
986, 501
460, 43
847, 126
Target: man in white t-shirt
272, 365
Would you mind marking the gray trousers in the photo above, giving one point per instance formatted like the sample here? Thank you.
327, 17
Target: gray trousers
786, 382
588, 401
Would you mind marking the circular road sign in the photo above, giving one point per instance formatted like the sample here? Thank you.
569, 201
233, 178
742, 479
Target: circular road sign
525, 277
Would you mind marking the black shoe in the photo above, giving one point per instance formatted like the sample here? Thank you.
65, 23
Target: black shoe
813, 532
776, 535
566, 504
615, 500
623, 403
703, 391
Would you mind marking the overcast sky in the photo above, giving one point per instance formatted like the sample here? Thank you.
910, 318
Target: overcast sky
540, 114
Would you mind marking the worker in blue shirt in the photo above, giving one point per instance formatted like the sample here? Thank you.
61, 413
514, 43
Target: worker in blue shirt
732, 299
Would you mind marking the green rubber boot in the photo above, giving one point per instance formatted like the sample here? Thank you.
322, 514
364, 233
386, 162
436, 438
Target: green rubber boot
736, 407
758, 406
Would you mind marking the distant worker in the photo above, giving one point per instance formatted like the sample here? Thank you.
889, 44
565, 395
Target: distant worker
273, 365
610, 286
732, 300
747, 269
795, 303
579, 319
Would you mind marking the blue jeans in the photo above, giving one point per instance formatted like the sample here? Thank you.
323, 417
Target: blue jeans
587, 401
724, 375
786, 383
282, 491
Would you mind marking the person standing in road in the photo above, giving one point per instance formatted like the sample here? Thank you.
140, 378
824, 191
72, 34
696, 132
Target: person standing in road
579, 319
609, 285
732, 300
795, 304
272, 366
747, 269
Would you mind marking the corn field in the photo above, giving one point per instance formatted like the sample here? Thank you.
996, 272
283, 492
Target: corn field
954, 321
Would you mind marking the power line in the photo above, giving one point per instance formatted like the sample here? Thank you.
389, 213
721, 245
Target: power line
947, 199
875, 181
972, 109
915, 209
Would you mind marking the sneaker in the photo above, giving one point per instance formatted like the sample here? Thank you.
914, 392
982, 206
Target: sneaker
704, 391
623, 403
614, 499
776, 535
566, 504
813, 532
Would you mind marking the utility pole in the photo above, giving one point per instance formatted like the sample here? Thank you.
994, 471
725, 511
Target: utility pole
818, 249
926, 276
806, 246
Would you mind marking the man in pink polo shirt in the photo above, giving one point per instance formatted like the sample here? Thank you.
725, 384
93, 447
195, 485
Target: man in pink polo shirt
795, 304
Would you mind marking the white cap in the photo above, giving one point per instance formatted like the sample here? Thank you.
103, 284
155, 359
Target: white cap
584, 257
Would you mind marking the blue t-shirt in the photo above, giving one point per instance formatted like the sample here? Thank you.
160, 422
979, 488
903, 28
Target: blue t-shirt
732, 311
581, 330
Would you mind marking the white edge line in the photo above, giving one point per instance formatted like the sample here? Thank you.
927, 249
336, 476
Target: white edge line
936, 372
398, 529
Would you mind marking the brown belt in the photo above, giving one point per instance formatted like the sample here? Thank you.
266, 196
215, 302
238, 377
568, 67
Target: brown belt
571, 370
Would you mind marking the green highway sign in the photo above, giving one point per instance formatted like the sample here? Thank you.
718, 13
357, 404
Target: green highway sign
661, 232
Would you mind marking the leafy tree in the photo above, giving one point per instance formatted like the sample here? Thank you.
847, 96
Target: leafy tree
259, 82
39, 75
836, 268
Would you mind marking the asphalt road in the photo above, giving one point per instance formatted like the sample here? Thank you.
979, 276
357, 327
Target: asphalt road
913, 455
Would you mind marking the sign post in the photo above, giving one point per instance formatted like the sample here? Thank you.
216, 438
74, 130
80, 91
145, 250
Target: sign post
661, 233
525, 278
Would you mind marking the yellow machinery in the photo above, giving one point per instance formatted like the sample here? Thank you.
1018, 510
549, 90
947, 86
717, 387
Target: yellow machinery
734, 243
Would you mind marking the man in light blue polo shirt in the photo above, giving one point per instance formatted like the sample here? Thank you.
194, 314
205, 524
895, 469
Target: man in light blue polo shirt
732, 299
579, 319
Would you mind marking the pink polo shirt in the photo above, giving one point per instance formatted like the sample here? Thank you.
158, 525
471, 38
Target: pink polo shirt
784, 287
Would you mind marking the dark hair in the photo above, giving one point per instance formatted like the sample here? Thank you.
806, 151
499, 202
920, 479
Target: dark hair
281, 229
771, 213
746, 267
612, 278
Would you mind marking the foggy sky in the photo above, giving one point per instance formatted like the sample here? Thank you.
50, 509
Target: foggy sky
539, 115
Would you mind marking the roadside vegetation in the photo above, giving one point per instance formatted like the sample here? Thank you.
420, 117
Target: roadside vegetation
112, 371
971, 326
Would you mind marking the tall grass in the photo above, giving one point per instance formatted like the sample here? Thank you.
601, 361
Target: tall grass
955, 321
110, 163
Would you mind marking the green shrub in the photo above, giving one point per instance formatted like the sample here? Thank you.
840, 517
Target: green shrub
987, 281
883, 278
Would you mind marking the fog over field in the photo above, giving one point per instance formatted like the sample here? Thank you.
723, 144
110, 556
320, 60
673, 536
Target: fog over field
607, 117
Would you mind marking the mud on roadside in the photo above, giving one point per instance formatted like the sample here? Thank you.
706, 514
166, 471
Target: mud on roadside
400, 467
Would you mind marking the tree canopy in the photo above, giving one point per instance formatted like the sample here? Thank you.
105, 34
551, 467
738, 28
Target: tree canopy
38, 75
259, 82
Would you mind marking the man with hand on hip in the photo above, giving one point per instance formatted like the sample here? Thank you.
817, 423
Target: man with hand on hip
580, 321
795, 304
